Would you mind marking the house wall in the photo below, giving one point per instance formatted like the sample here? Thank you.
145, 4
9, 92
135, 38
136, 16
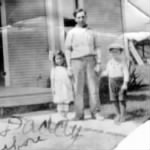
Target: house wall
27, 43
28, 40
105, 17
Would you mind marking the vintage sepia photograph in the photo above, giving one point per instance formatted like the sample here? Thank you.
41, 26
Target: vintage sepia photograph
74, 74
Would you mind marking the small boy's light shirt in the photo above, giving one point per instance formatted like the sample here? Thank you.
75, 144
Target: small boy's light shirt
115, 69
82, 42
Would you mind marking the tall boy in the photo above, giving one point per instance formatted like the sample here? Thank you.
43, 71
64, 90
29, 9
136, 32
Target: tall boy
84, 61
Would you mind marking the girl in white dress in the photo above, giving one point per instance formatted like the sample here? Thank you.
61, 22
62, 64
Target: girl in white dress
62, 87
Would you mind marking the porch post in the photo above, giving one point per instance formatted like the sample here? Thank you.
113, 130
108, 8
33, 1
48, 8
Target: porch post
55, 26
61, 24
50, 27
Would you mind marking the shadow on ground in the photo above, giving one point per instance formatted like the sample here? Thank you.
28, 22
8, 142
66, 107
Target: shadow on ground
138, 115
9, 111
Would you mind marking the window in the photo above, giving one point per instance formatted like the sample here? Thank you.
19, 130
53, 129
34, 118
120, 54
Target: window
68, 12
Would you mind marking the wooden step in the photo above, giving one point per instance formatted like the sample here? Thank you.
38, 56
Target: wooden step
10, 97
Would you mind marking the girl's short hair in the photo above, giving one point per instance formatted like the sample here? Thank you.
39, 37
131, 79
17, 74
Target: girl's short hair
59, 53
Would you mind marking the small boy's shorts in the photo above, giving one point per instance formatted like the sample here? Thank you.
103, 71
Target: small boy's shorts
115, 92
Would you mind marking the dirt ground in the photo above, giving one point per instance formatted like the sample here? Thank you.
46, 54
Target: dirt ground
99, 135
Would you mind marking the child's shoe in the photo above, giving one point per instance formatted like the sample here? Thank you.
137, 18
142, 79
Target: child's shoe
97, 116
117, 119
122, 119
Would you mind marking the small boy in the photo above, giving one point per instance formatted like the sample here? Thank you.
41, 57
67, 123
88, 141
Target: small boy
118, 77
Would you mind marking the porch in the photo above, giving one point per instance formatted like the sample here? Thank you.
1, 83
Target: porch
11, 97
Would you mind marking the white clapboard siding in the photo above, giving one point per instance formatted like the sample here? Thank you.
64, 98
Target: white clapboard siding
27, 43
105, 17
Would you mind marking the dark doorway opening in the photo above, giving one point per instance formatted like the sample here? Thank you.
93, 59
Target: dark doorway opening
1, 54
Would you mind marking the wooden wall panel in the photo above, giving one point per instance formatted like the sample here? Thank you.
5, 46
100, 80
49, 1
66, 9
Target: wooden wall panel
27, 43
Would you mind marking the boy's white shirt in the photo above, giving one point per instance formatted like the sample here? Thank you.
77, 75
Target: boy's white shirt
116, 69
